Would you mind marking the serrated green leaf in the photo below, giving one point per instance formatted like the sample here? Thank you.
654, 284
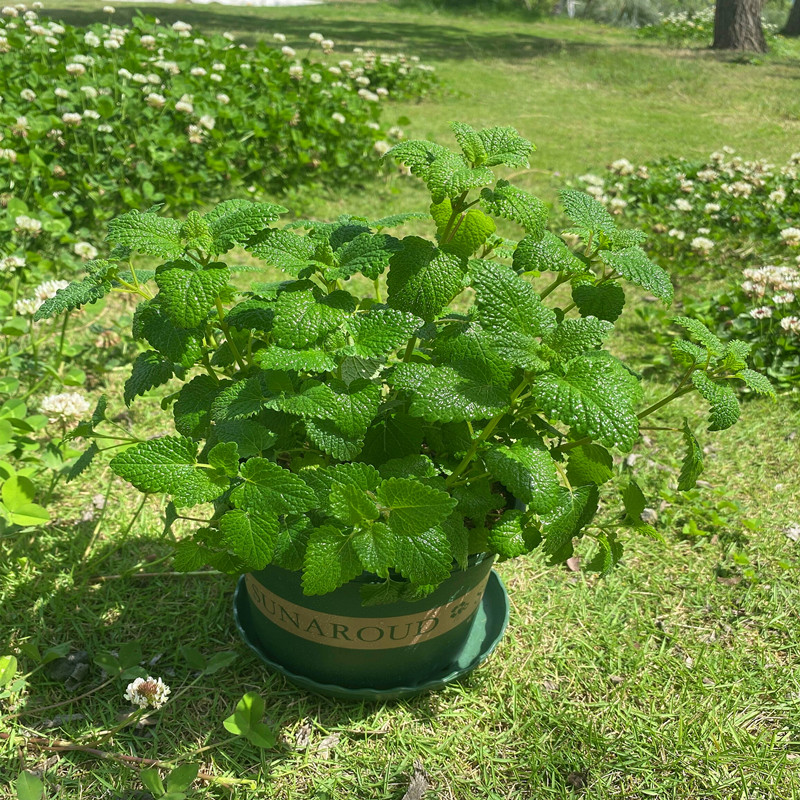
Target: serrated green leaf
304, 316
422, 279
168, 465
77, 294
147, 233
698, 331
192, 409
367, 253
510, 536
424, 558
504, 145
528, 471
628, 237
352, 505
252, 314
634, 501
687, 353
251, 437
181, 346
392, 437
376, 548
736, 355
187, 292
150, 369
589, 463
269, 488
634, 265
756, 381
330, 560
380, 331
591, 218
609, 553
451, 174
465, 233
83, 462
283, 250
291, 543
410, 466
250, 535
546, 253
242, 399
413, 507
195, 233
311, 360
224, 456
519, 206
724, 406
574, 510
575, 336
469, 141
393, 220
605, 301
234, 222
417, 155
692, 466
595, 396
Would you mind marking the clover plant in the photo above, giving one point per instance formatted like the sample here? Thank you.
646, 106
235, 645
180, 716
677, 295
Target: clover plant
335, 429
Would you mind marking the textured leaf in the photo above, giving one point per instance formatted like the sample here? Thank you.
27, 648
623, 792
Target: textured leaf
312, 360
503, 145
368, 254
450, 174
195, 233
224, 456
724, 405
422, 280
291, 543
575, 336
147, 233
692, 466
622, 238
234, 222
574, 510
192, 409
410, 466
519, 206
469, 141
392, 437
634, 501
413, 507
417, 155
589, 463
702, 334
187, 293
269, 488
376, 548
150, 369
424, 558
83, 462
510, 537
352, 505
380, 331
688, 353
250, 535
609, 553
634, 265
330, 561
528, 471
393, 220
181, 346
595, 396
362, 476
605, 301
546, 253
252, 314
736, 355
77, 294
303, 315
466, 233
591, 218
242, 399
756, 381
284, 250
252, 438
168, 465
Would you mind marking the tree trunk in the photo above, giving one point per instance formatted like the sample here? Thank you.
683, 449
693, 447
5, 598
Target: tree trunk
737, 26
792, 27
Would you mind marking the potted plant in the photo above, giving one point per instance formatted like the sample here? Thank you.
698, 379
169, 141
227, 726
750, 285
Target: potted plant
367, 436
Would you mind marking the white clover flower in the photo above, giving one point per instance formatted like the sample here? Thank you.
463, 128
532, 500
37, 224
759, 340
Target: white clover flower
381, 147
44, 291
71, 118
27, 306
56, 28
112, 44
327, 45
75, 69
701, 244
711, 208
7, 154
89, 91
592, 180
84, 250
65, 407
199, 42
216, 77
279, 37
155, 100
207, 121
683, 205
124, 73
185, 104
29, 225
11, 263
197, 72
316, 37
764, 312
334, 70
109, 9
147, 41
616, 205
90, 114
594, 191
687, 187
707, 175
105, 128
218, 66
62, 93
381, 91
621, 167
20, 127
91, 39
346, 65
289, 52
362, 80
196, 134
181, 27
791, 324
337, 117
315, 77
9, 11
137, 77
373, 126
676, 233
28, 94
223, 98
783, 299
229, 36
778, 196
791, 236
296, 72
169, 66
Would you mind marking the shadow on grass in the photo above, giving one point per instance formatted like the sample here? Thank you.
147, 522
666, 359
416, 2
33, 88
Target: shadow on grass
441, 40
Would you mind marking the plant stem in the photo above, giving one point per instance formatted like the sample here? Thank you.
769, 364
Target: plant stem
412, 343
228, 338
554, 285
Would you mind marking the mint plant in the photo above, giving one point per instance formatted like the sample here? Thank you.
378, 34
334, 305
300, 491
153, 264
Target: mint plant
331, 429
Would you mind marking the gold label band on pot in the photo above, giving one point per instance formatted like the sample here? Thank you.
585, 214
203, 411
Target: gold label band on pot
363, 633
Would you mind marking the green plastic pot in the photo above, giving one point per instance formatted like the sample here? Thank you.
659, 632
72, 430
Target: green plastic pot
334, 641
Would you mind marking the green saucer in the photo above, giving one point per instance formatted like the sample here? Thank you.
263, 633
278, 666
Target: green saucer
485, 633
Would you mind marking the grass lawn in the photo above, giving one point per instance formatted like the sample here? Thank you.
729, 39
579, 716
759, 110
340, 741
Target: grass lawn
675, 677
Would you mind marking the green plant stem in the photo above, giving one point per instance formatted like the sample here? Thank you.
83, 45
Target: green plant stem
228, 338
412, 343
554, 285
377, 284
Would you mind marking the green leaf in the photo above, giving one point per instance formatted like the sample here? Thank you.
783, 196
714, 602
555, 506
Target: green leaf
169, 465
392, 437
311, 360
608, 554
756, 381
29, 787
380, 332
519, 206
283, 250
8, 669
574, 510
736, 354
234, 222
351, 505
268, 487
424, 558
504, 145
411, 466
242, 399
724, 405
330, 562
150, 369
187, 292
698, 331
510, 536
224, 457
528, 471
469, 141
246, 721
147, 233
361, 476
465, 234
367, 253
250, 535
688, 354
17, 492
422, 280
251, 437
77, 294
376, 548
605, 301
83, 462
413, 507
252, 314
692, 466
195, 233
290, 546
303, 315
634, 265
589, 463
634, 501
591, 218
622, 238
573, 337
507, 303
595, 396
417, 155
181, 346
182, 777
451, 174
192, 409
